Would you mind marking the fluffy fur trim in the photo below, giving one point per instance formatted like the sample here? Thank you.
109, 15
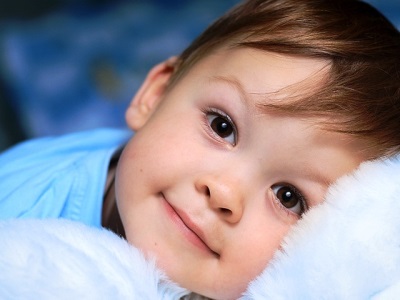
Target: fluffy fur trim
61, 259
346, 248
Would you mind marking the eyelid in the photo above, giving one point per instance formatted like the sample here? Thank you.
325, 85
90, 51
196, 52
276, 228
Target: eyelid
219, 112
298, 193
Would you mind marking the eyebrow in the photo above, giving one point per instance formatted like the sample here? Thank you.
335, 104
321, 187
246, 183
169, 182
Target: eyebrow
318, 177
236, 84
244, 96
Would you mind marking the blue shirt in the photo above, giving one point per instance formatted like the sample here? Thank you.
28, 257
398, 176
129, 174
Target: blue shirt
58, 177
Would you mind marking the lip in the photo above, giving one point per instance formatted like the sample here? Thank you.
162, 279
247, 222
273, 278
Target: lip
190, 230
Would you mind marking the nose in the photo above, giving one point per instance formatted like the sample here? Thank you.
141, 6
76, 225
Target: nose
224, 196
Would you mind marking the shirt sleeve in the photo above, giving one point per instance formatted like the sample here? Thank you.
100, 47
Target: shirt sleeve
58, 177
37, 183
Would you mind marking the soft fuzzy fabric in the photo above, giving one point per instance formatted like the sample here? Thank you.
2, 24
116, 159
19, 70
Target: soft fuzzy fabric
346, 248
61, 259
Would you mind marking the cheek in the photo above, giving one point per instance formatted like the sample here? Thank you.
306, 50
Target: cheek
258, 245
145, 152
168, 144
162, 153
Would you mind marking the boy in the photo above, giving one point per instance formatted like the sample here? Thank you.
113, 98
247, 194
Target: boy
234, 141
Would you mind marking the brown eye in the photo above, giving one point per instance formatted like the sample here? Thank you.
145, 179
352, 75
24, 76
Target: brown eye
290, 198
222, 126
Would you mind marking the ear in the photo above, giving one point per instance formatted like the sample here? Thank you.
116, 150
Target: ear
149, 95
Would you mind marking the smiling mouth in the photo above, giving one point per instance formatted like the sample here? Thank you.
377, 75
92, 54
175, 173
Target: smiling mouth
188, 228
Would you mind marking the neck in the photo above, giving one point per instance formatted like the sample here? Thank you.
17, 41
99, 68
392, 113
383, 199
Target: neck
110, 215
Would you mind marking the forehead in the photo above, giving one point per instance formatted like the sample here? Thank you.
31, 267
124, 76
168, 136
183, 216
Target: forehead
258, 73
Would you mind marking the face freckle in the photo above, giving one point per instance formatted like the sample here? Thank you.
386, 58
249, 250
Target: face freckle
203, 203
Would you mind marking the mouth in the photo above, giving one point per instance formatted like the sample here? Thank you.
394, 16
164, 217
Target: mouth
190, 230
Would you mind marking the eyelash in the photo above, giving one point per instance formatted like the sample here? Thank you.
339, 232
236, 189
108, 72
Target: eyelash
219, 113
298, 194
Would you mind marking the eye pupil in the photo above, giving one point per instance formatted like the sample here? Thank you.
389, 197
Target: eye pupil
221, 127
288, 198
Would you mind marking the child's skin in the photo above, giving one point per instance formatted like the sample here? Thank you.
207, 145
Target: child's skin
211, 182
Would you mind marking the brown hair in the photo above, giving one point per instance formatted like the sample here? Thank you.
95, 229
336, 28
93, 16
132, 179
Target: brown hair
362, 88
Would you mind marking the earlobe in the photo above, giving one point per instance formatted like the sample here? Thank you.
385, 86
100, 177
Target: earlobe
150, 94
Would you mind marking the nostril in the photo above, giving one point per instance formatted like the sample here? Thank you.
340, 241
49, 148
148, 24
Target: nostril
225, 211
208, 193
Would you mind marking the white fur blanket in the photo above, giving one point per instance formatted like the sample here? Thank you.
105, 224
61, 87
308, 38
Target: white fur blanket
346, 248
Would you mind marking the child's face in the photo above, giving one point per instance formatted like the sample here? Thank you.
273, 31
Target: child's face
210, 184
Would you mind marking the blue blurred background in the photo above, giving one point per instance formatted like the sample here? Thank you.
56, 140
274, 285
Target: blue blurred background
68, 65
